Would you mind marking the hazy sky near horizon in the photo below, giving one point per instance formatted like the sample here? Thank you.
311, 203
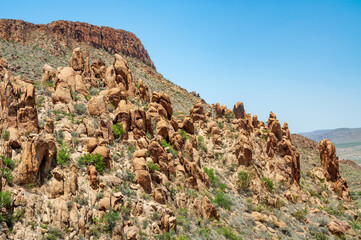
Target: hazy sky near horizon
299, 59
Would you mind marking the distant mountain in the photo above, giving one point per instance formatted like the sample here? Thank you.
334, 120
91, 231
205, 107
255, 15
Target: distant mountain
339, 135
347, 141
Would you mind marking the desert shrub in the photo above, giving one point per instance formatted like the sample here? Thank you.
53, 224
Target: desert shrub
55, 233
167, 145
63, 155
300, 214
110, 218
80, 109
6, 135
220, 125
213, 179
201, 145
223, 200
153, 167
118, 130
93, 159
8, 162
268, 182
244, 179
228, 233
184, 135
6, 171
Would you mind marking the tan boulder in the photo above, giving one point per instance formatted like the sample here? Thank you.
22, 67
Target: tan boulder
209, 210
62, 93
123, 75
105, 153
338, 227
77, 61
197, 112
143, 178
143, 91
92, 143
93, 176
158, 195
37, 157
188, 125
110, 78
97, 106
48, 73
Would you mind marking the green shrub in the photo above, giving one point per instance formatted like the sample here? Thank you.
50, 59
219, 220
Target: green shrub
118, 131
201, 145
184, 135
63, 155
167, 145
6, 173
153, 167
6, 135
55, 233
110, 219
220, 125
8, 162
268, 183
213, 179
300, 214
223, 200
93, 159
244, 179
80, 109
228, 233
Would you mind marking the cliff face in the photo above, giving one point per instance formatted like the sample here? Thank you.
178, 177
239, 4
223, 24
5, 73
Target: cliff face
72, 33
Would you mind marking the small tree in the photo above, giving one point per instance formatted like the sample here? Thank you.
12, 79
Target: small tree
93, 159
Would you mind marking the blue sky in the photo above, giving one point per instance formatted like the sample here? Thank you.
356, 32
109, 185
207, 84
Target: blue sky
299, 59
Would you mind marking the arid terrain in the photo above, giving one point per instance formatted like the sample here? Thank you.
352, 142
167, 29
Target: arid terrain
96, 144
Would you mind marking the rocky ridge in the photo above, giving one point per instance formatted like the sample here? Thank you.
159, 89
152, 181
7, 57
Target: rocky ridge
89, 152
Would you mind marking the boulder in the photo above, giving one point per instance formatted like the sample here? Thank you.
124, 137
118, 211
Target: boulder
97, 106
38, 154
239, 111
77, 61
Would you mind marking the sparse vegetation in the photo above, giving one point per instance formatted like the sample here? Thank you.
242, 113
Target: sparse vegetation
118, 131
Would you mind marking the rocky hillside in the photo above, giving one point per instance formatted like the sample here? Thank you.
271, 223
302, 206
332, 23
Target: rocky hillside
97, 149
70, 34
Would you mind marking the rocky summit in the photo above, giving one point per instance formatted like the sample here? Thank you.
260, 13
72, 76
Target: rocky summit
97, 145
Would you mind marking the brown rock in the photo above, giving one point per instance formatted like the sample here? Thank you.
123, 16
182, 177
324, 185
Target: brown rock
142, 177
93, 176
77, 61
188, 125
143, 91
239, 111
37, 157
209, 210
338, 227
48, 73
197, 112
123, 75
330, 166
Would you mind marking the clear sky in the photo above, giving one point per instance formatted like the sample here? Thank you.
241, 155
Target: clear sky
300, 59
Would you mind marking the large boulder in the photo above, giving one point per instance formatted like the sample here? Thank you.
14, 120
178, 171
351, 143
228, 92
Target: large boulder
123, 75
329, 162
197, 112
239, 111
77, 60
38, 154
97, 105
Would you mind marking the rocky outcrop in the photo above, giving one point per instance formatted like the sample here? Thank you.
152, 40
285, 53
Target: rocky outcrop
239, 111
330, 168
38, 154
72, 34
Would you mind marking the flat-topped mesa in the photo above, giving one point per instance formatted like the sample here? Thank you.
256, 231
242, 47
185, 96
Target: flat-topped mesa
72, 34
330, 167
